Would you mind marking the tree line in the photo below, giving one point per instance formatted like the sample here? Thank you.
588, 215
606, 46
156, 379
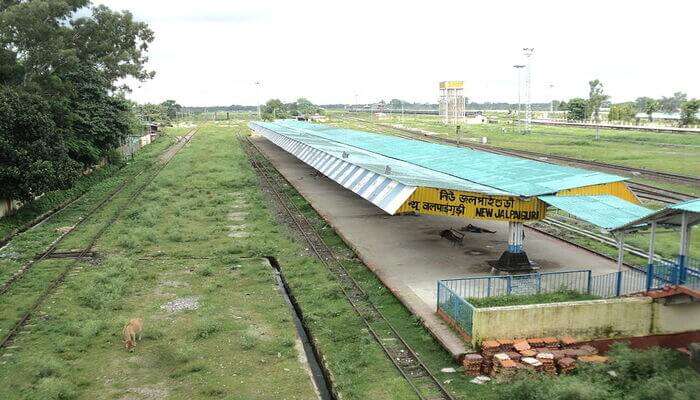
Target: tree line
580, 109
62, 104
276, 109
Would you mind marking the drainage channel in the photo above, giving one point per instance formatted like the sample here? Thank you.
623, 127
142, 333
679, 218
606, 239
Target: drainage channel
318, 372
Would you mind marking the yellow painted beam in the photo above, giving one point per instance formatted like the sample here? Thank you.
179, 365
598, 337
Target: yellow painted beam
454, 203
617, 189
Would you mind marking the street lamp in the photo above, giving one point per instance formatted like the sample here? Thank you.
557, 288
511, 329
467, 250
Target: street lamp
551, 101
258, 84
518, 67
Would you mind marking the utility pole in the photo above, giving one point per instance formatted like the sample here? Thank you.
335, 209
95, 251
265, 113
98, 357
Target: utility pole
258, 84
528, 52
518, 67
551, 101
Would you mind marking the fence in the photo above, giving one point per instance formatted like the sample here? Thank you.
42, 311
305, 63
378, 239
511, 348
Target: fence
452, 294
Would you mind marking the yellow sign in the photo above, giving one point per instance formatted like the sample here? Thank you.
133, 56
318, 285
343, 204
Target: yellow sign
454, 203
617, 189
452, 85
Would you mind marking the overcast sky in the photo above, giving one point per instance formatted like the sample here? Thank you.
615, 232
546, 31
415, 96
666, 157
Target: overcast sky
210, 52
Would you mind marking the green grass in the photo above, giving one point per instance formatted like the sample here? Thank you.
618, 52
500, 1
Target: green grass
173, 242
655, 374
523, 299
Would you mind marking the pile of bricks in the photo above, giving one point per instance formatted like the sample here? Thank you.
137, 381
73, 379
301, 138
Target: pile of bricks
473, 364
549, 355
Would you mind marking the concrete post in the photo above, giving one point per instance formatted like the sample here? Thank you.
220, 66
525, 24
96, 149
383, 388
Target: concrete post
650, 261
620, 258
683, 251
515, 237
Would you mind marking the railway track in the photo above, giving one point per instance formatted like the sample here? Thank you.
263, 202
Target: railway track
404, 358
80, 255
47, 253
643, 191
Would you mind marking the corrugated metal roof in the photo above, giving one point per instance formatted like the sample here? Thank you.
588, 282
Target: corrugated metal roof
401, 171
385, 193
499, 173
671, 215
605, 211
689, 205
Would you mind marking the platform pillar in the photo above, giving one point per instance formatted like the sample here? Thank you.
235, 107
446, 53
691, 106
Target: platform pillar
683, 250
514, 258
650, 260
516, 233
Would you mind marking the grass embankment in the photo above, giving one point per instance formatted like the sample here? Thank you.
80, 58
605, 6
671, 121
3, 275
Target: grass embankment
523, 299
196, 234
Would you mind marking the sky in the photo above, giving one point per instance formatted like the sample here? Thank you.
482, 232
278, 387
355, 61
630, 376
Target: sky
211, 52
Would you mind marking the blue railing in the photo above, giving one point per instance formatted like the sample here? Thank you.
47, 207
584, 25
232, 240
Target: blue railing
500, 285
452, 294
456, 307
670, 273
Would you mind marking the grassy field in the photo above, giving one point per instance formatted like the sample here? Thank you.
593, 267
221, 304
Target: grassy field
196, 235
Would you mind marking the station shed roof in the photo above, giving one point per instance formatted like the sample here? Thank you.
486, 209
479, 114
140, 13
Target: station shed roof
605, 211
399, 170
670, 216
486, 172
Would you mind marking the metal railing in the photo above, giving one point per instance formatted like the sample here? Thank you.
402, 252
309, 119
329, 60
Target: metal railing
453, 294
456, 307
500, 285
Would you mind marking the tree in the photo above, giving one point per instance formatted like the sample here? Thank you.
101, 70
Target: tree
66, 65
171, 108
47, 38
34, 157
621, 112
672, 104
649, 106
577, 109
90, 119
689, 110
74, 63
596, 97
305, 107
273, 109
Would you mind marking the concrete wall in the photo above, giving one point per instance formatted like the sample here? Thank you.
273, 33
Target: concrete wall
675, 318
584, 320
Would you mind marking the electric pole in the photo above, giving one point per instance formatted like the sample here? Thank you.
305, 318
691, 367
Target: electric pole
518, 67
528, 52
258, 84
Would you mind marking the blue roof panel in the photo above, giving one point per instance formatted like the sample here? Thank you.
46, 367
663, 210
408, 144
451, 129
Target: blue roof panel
508, 174
605, 211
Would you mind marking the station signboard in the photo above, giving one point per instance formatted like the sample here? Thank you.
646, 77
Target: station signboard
454, 203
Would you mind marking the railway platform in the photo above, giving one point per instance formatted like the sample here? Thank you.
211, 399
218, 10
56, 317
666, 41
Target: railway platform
407, 252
